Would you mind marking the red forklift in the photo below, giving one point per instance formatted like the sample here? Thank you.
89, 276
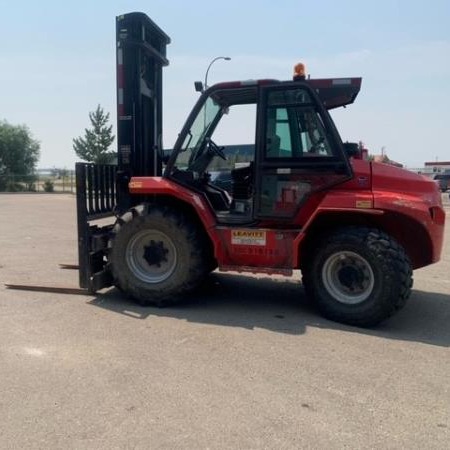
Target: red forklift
302, 200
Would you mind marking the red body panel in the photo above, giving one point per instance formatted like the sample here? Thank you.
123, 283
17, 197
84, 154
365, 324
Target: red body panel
261, 248
376, 190
412, 195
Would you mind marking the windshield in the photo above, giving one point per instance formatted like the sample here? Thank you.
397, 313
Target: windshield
192, 145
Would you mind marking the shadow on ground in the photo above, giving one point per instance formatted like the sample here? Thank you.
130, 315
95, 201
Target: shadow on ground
281, 306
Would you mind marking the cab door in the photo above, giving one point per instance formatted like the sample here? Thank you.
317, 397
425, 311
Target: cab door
299, 151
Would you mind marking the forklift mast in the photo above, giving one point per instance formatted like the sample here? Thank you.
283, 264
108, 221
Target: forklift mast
102, 189
140, 57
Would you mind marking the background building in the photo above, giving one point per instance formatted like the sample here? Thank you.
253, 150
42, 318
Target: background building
437, 166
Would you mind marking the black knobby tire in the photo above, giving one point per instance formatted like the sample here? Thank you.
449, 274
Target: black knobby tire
358, 276
157, 255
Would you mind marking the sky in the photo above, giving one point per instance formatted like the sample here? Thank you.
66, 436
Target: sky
57, 63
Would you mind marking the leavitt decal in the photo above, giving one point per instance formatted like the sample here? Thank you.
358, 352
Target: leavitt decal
248, 237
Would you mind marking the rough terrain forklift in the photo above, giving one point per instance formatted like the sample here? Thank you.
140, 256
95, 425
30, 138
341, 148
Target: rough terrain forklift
302, 199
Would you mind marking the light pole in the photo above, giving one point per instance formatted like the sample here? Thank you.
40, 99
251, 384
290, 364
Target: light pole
226, 58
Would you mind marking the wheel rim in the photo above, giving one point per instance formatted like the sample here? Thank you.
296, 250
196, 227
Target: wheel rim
152, 256
348, 277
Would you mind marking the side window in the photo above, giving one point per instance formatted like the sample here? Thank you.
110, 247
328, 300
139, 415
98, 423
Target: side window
313, 138
236, 133
294, 129
278, 134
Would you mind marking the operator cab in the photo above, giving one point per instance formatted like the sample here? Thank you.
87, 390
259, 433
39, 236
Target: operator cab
296, 149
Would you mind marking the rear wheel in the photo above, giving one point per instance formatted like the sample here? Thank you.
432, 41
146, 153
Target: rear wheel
358, 276
157, 255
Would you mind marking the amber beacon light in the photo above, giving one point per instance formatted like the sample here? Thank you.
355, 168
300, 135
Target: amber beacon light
299, 71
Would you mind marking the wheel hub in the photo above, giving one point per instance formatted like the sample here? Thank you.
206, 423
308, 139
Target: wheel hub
348, 277
155, 253
152, 256
352, 278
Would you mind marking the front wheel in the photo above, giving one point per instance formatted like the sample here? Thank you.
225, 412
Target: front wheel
358, 276
157, 254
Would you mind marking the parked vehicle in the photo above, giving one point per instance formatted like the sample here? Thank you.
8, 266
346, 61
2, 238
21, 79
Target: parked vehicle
306, 200
443, 180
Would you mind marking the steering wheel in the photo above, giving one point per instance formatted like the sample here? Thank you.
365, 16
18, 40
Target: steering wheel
315, 148
216, 150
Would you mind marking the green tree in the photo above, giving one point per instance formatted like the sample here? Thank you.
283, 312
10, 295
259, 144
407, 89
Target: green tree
93, 147
19, 153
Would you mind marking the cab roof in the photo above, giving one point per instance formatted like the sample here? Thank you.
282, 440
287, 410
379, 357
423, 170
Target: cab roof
334, 92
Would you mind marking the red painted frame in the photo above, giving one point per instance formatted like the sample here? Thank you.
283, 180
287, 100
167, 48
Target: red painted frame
393, 200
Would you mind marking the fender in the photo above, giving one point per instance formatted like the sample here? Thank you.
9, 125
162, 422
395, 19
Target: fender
341, 204
163, 186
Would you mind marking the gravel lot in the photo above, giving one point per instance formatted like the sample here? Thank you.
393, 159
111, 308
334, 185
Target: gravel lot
247, 363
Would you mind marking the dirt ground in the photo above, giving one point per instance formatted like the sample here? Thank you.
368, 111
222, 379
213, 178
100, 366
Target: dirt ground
245, 363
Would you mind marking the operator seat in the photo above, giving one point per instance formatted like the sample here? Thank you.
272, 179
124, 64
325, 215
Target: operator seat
242, 182
273, 146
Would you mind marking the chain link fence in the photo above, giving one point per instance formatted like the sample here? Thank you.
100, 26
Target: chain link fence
52, 182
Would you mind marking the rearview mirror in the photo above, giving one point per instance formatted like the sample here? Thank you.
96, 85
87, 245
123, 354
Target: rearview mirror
351, 149
198, 86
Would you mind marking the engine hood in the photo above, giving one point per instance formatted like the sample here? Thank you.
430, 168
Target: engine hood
387, 178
